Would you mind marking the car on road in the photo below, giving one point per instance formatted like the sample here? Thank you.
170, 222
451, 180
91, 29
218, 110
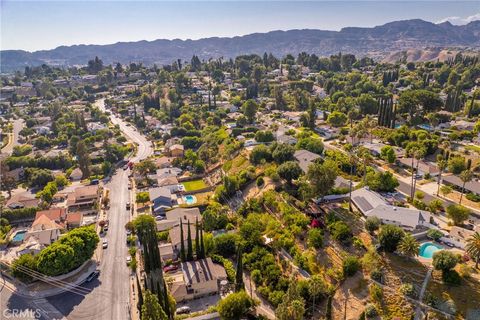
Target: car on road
129, 232
129, 259
158, 218
128, 205
183, 310
92, 275
105, 244
170, 268
125, 167
129, 186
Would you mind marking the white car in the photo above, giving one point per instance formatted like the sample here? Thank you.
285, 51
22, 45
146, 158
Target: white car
105, 244
184, 309
129, 259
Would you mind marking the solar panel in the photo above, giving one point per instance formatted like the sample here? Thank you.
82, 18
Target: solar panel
363, 203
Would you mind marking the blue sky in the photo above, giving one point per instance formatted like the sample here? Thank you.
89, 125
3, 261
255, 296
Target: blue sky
37, 25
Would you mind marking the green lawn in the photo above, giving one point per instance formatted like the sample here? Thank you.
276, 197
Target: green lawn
194, 185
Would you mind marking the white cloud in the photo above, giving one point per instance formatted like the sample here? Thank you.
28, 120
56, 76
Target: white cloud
459, 20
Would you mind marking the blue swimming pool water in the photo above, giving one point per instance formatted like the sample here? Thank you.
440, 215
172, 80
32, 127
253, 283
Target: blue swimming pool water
19, 236
427, 249
190, 199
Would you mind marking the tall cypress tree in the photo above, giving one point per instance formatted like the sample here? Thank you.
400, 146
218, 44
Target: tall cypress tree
189, 243
239, 285
140, 294
166, 302
197, 240
182, 244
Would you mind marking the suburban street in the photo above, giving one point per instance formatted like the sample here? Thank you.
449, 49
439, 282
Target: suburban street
18, 125
109, 298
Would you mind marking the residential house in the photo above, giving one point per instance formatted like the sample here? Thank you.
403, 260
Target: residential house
471, 186
458, 236
74, 220
171, 183
370, 203
161, 198
59, 215
305, 158
175, 237
44, 230
200, 278
423, 167
83, 199
163, 162
76, 174
173, 217
20, 201
176, 150
166, 252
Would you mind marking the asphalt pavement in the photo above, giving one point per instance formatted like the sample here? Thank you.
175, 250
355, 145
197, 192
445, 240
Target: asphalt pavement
109, 298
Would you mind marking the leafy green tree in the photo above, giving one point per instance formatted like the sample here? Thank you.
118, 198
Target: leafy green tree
226, 244
292, 306
337, 119
444, 260
142, 197
289, 171
473, 248
260, 153
249, 109
23, 264
457, 213
456, 164
387, 153
235, 306
282, 152
390, 236
83, 159
434, 234
382, 181
322, 177
310, 144
215, 217
408, 246
435, 205
340, 231
56, 259
151, 308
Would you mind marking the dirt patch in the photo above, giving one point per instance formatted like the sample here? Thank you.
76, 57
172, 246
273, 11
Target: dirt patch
350, 298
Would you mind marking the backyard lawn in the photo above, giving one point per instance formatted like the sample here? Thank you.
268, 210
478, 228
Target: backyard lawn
194, 185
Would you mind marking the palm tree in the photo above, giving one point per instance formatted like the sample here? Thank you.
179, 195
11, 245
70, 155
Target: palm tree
441, 164
465, 176
364, 154
408, 246
473, 248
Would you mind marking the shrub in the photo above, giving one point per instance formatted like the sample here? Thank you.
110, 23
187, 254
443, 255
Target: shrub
434, 234
451, 277
377, 275
256, 276
376, 292
350, 265
407, 289
370, 311
390, 236
340, 231
372, 224
473, 197
315, 238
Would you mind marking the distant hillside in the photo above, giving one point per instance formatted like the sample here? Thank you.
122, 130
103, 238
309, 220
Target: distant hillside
377, 42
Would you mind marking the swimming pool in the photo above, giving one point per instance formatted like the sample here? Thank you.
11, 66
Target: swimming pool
427, 249
189, 199
19, 236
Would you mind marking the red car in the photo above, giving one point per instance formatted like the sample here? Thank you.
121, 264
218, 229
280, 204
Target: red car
170, 268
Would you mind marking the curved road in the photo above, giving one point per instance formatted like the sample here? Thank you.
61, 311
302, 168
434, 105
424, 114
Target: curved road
109, 298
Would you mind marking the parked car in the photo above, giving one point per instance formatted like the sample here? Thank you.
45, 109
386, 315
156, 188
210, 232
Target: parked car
129, 232
182, 310
125, 167
158, 218
105, 244
128, 205
92, 275
129, 259
170, 268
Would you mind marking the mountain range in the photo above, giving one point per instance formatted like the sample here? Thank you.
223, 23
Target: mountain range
377, 42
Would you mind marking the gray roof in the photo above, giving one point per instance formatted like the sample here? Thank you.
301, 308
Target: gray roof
159, 192
186, 214
370, 203
202, 270
472, 186
305, 158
